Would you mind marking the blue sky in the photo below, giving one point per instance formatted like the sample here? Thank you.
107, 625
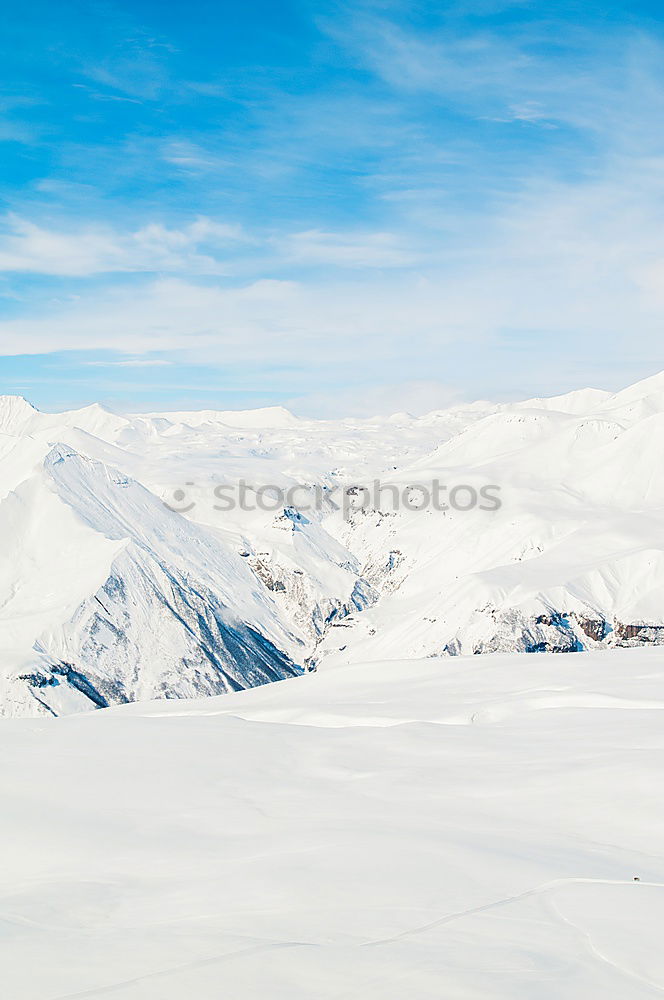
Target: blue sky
345, 208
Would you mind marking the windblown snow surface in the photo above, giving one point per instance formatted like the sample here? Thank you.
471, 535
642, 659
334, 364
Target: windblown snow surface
123, 578
458, 828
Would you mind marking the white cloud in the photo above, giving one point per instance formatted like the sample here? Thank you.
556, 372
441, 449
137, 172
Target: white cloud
191, 157
204, 246
84, 251
562, 273
355, 250
272, 319
568, 277
132, 363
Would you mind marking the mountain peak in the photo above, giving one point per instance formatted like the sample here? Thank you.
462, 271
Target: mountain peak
651, 386
18, 402
16, 413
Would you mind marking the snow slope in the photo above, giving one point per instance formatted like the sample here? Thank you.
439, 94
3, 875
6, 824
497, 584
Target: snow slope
456, 827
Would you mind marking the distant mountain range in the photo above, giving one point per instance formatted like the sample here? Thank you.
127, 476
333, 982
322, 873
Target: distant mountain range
108, 593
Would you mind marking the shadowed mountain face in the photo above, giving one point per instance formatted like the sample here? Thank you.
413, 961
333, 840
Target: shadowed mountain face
150, 633
177, 613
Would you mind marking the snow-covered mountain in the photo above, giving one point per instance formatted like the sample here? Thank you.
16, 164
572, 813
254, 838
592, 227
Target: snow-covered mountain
124, 578
108, 597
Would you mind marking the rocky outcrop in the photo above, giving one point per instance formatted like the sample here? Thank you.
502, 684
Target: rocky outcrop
638, 634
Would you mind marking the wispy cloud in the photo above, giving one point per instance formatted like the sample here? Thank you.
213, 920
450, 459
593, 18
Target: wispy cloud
136, 65
26, 246
98, 95
132, 363
189, 156
354, 250
202, 246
